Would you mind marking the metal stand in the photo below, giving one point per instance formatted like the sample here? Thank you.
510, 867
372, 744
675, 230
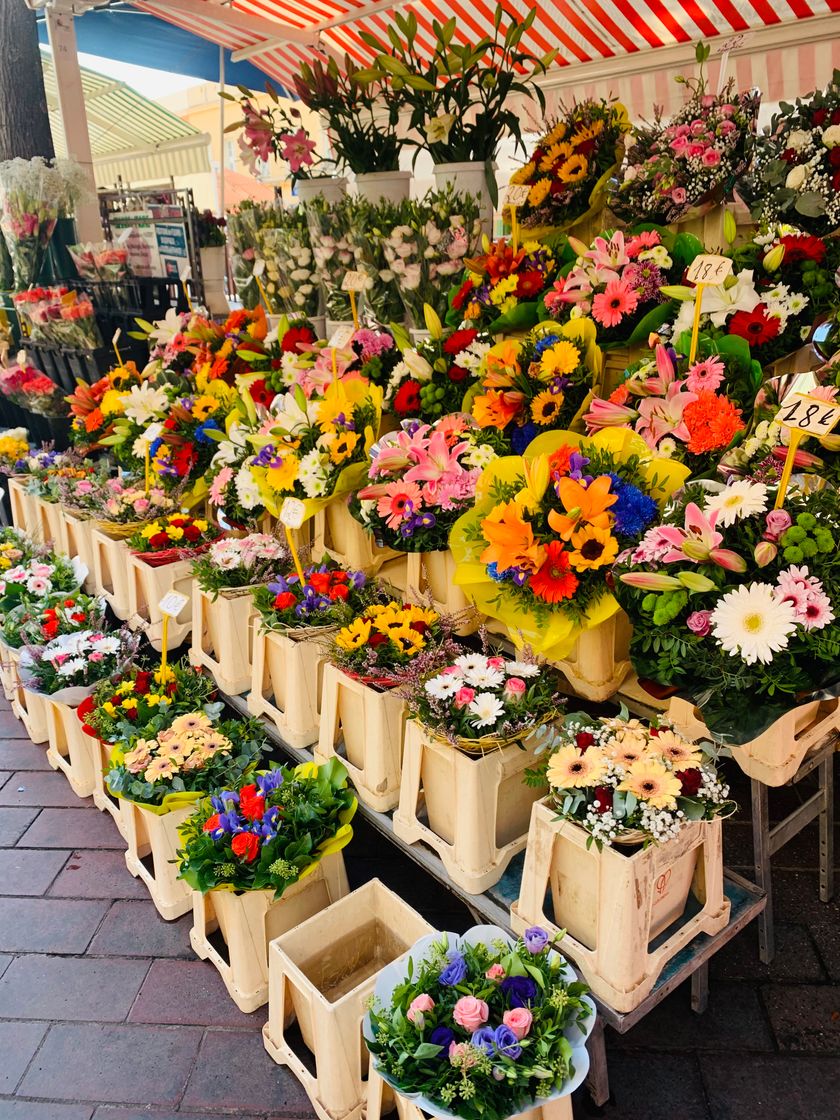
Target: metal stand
767, 841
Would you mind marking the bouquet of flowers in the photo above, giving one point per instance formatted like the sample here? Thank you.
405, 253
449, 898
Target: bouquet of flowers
33, 624
545, 530
336, 248
422, 479
681, 411
16, 548
433, 377
478, 702
733, 601
178, 536
240, 562
570, 168
60, 317
381, 642
48, 469
290, 280
383, 297
618, 282
185, 447
210, 228
32, 194
100, 261
328, 596
503, 287
97, 408
542, 382
76, 660
31, 389
34, 578
118, 506
190, 757
674, 169
795, 171
482, 1026
626, 782
14, 449
270, 832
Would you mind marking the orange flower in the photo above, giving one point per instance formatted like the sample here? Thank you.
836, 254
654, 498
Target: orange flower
511, 540
584, 505
496, 409
94, 420
259, 324
712, 421
502, 364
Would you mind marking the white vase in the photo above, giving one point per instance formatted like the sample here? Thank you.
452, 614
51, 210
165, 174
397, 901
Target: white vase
213, 267
469, 178
331, 187
384, 186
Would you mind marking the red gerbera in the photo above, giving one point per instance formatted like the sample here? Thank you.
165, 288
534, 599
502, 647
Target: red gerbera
260, 392
755, 326
458, 341
407, 400
462, 295
803, 247
295, 337
554, 582
529, 284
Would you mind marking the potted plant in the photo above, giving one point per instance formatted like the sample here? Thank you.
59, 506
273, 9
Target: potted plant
475, 726
213, 255
223, 607
261, 858
631, 827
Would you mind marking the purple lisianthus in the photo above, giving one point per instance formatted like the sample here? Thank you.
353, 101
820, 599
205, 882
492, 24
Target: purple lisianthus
455, 972
442, 1036
484, 1039
521, 991
536, 939
506, 1042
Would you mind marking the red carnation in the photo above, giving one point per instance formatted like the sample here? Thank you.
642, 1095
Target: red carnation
295, 337
756, 326
192, 533
50, 629
212, 823
457, 374
246, 846
459, 340
691, 781
462, 295
285, 600
407, 400
583, 740
251, 803
603, 799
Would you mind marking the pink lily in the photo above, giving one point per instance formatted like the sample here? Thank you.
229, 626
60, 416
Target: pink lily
607, 254
436, 462
650, 581
663, 416
607, 414
698, 542
665, 373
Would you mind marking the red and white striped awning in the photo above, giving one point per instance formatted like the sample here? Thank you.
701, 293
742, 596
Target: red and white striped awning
628, 47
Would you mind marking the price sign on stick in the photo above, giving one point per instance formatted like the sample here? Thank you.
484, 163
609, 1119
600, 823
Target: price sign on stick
354, 282
148, 437
342, 337
707, 269
114, 342
803, 416
517, 194
292, 513
185, 274
170, 606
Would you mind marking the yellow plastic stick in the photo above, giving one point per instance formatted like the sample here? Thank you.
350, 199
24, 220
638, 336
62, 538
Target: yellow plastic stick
187, 295
695, 329
268, 306
514, 230
796, 437
164, 636
335, 364
295, 557
148, 468
353, 309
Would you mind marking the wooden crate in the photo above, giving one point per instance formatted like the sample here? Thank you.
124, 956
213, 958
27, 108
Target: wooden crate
774, 756
370, 722
248, 920
477, 806
52, 524
558, 1108
153, 838
222, 637
323, 973
147, 585
614, 905
23, 505
111, 572
341, 537
616, 360
31, 709
286, 685
70, 748
600, 659
432, 575
79, 543
8, 671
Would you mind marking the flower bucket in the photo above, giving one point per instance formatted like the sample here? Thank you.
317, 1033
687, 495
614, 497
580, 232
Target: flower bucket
147, 585
70, 749
600, 659
52, 526
23, 505
616, 361
213, 270
323, 974
431, 574
286, 682
222, 636
8, 671
332, 187
152, 839
79, 543
370, 723
103, 799
341, 536
614, 903
248, 920
31, 709
111, 572
469, 178
777, 753
384, 186
477, 807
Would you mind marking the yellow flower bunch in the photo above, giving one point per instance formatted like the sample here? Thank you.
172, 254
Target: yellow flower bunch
392, 630
113, 403
13, 448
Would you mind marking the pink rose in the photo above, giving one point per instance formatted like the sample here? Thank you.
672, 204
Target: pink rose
458, 1052
495, 972
695, 150
519, 1020
515, 686
470, 1013
678, 195
697, 128
496, 662
464, 696
711, 157
726, 110
725, 128
699, 622
708, 101
417, 1006
776, 522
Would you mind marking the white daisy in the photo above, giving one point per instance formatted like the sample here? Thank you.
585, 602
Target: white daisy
488, 677
469, 662
443, 686
738, 500
71, 667
522, 669
313, 471
247, 491
751, 621
487, 709
107, 645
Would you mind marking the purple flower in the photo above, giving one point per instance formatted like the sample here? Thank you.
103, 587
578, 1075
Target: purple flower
230, 822
520, 990
223, 800
455, 972
358, 579
536, 939
270, 781
442, 1036
484, 1039
506, 1042
278, 586
265, 456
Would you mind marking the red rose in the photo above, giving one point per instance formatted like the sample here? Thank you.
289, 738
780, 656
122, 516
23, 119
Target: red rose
246, 846
459, 340
159, 540
179, 522
251, 803
130, 714
192, 534
320, 582
340, 577
818, 116
407, 400
834, 157
377, 639
789, 155
835, 117
420, 626
142, 682
212, 823
457, 374
462, 295
691, 781
603, 799
285, 600
583, 740
835, 181
171, 688
338, 591
169, 424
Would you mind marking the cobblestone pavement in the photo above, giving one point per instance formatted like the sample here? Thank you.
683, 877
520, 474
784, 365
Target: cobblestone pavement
105, 1014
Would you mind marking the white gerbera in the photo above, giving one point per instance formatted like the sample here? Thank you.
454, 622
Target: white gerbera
71, 667
738, 500
107, 644
443, 686
488, 677
522, 669
487, 709
750, 621
471, 662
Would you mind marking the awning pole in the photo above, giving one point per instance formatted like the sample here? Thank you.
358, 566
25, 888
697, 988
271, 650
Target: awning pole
221, 132
71, 103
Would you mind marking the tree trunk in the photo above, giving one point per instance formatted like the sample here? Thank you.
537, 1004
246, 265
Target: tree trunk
24, 119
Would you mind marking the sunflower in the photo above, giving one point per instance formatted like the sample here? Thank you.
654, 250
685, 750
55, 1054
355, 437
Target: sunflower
354, 636
587, 132
560, 359
679, 753
652, 782
538, 192
556, 154
574, 169
557, 134
340, 445
407, 641
546, 406
570, 769
523, 174
593, 548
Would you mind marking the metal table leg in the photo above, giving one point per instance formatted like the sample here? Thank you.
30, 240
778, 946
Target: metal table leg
761, 855
700, 989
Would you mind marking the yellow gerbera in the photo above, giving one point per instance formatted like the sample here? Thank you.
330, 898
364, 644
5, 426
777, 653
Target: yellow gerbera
113, 403
652, 782
546, 406
568, 768
679, 752
555, 154
537, 193
593, 548
355, 635
282, 475
559, 360
587, 132
341, 445
574, 169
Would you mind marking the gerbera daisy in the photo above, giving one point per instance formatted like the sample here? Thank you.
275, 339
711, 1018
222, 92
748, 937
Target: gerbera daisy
486, 710
705, 375
560, 359
592, 548
569, 769
738, 500
677, 750
627, 747
617, 300
554, 582
574, 169
392, 505
546, 407
529, 284
803, 247
653, 783
756, 326
751, 622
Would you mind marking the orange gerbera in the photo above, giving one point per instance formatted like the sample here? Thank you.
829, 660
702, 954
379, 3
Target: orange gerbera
496, 409
510, 540
554, 582
712, 421
94, 420
584, 505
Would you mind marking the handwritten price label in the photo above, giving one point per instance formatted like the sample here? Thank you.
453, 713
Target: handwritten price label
342, 336
292, 513
152, 433
810, 416
185, 274
259, 267
517, 194
354, 281
172, 603
709, 269
117, 335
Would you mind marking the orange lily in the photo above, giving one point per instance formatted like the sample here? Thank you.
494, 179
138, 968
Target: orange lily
495, 409
502, 364
584, 505
511, 540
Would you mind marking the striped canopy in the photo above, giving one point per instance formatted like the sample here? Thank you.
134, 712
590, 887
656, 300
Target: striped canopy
605, 46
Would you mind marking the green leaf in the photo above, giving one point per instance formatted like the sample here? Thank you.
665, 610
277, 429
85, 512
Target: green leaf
426, 1050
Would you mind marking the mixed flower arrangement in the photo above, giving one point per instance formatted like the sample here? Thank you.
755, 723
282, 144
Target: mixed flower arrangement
60, 317
503, 286
77, 659
14, 448
626, 782
16, 548
269, 832
177, 533
33, 624
433, 377
328, 596
237, 562
115, 502
34, 577
380, 642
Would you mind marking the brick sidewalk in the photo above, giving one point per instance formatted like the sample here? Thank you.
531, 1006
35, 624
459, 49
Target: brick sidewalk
105, 1014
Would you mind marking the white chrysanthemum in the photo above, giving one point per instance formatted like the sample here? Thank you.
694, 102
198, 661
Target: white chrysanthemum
443, 686
247, 490
740, 499
487, 709
751, 622
522, 669
313, 473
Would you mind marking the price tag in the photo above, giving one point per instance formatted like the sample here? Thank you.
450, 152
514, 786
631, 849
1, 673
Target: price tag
259, 267
292, 513
153, 432
342, 336
173, 603
185, 273
809, 415
117, 335
709, 269
517, 194
354, 281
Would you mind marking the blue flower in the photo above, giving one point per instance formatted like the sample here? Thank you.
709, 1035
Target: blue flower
520, 990
521, 437
484, 1039
506, 1042
455, 972
535, 939
270, 781
224, 799
358, 579
634, 511
230, 821
278, 586
545, 344
442, 1036
265, 456
202, 430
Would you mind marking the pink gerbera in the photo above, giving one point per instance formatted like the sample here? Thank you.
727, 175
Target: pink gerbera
397, 496
647, 239
217, 486
817, 613
705, 375
617, 300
